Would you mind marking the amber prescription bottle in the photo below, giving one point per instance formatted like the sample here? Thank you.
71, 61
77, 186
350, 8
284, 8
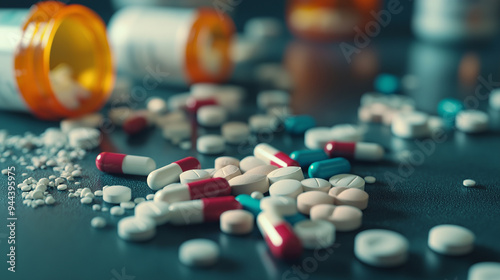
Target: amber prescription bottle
55, 60
325, 20
158, 45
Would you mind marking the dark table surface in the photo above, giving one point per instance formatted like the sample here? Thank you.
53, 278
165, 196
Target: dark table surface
57, 242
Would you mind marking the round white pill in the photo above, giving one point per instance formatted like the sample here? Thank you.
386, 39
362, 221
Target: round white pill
220, 162
287, 187
262, 170
344, 217
199, 253
347, 181
269, 98
193, 175
211, 116
410, 124
227, 172
315, 184
315, 234
282, 205
127, 205
262, 123
484, 271
451, 240
317, 137
289, 172
247, 184
236, 222
380, 247
249, 163
136, 228
210, 144
116, 194
156, 210
370, 179
257, 195
117, 211
495, 99
156, 105
235, 132
98, 222
472, 121
469, 183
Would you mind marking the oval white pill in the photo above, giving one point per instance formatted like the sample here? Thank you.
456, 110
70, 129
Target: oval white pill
347, 181
220, 162
410, 124
235, 132
289, 172
257, 195
262, 170
247, 184
344, 217
199, 253
469, 183
210, 144
211, 115
282, 205
287, 187
250, 162
317, 137
315, 234
236, 222
307, 200
370, 179
156, 210
380, 247
116, 194
117, 211
228, 172
484, 271
472, 121
262, 123
193, 175
451, 240
136, 228
98, 222
315, 184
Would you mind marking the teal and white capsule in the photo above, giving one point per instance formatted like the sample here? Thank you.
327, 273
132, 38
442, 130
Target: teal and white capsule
327, 168
253, 205
299, 124
307, 157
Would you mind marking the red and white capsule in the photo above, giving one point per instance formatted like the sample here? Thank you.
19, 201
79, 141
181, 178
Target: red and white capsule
212, 187
124, 164
137, 122
271, 155
357, 150
169, 174
203, 210
279, 236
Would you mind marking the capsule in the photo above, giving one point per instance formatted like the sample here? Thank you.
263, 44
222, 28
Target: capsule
212, 187
272, 156
137, 122
356, 150
124, 164
307, 157
299, 124
279, 236
203, 210
253, 205
327, 168
168, 174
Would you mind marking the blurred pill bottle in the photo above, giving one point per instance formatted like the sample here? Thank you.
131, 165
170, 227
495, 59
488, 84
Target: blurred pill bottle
55, 61
157, 45
326, 20
449, 21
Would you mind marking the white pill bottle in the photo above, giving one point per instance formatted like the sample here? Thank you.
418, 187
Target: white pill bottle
160, 45
452, 21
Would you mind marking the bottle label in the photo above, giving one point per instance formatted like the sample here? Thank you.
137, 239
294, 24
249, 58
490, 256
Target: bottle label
11, 22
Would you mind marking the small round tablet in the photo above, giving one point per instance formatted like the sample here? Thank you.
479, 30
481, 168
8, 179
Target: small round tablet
380, 247
472, 121
156, 210
98, 222
315, 184
370, 179
235, 132
344, 217
236, 222
199, 253
451, 240
282, 205
250, 162
210, 144
262, 169
211, 115
220, 162
257, 195
262, 123
136, 228
193, 175
469, 183
248, 183
228, 172
484, 271
348, 181
287, 187
349, 196
116, 194
305, 201
315, 234
289, 172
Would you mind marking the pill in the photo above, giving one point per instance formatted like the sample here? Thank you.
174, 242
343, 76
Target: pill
316, 234
257, 195
291, 172
156, 105
98, 222
136, 228
327, 168
96, 207
448, 109
116, 194
137, 122
279, 236
168, 174
381, 248
262, 123
150, 196
348, 181
210, 171
484, 271
236, 222
211, 116
201, 210
124, 164
370, 179
249, 183
193, 175
227, 172
299, 124
220, 162
344, 217
170, 119
269, 98
281, 205
286, 187
262, 170
315, 184
469, 183
177, 132
249, 203
373, 113
495, 99
410, 124
211, 187
362, 151
347, 133
194, 104
451, 240
250, 162
317, 137
305, 201
155, 210
117, 211
210, 144
235, 132
126, 204
139, 200
199, 253
307, 157
349, 196
472, 121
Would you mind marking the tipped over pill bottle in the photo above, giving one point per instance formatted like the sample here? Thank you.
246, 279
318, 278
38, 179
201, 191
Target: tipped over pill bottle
55, 61
325, 20
172, 45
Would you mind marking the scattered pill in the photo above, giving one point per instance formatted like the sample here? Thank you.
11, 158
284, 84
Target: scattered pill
156, 105
344, 217
370, 179
117, 211
286, 187
139, 200
357, 150
98, 222
299, 124
98, 193
211, 116
262, 170
86, 200
235, 132
495, 99
50, 200
201, 210
156, 210
305, 201
315, 184
127, 205
315, 234
199, 253
228, 172
346, 133
410, 124
210, 144
236, 222
125, 164
117, 194
348, 181
472, 121
96, 207
349, 196
469, 183
327, 168
137, 122
136, 228
193, 175
281, 205
307, 157
150, 196
168, 174
248, 183
250, 162
451, 240
262, 123
221, 162
211, 187
270, 155
257, 195
484, 271
249, 203
382, 248
291, 172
